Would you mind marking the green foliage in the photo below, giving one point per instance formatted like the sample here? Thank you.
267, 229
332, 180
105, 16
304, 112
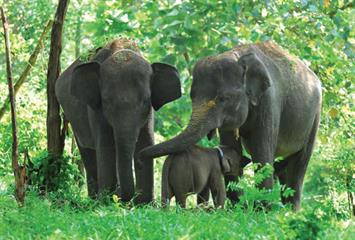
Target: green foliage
332, 179
181, 32
253, 198
45, 175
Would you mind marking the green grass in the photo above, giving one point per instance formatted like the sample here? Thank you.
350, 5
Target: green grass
69, 214
45, 218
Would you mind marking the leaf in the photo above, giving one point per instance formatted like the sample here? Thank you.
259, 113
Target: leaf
333, 112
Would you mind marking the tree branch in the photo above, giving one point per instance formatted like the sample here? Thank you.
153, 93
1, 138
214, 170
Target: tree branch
31, 62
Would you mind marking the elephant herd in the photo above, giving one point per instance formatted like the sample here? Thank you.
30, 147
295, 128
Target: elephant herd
257, 95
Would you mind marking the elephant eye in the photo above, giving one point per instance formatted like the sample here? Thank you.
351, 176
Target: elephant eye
224, 98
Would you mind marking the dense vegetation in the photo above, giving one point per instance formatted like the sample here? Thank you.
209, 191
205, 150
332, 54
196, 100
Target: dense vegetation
320, 32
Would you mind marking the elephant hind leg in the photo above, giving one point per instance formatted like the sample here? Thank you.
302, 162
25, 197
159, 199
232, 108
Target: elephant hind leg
294, 173
203, 196
166, 195
180, 198
292, 177
89, 159
166, 190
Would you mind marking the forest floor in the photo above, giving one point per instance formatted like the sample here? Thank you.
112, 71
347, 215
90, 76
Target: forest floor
76, 217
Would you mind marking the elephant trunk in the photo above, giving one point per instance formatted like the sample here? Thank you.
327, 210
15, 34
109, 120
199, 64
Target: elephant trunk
199, 126
125, 144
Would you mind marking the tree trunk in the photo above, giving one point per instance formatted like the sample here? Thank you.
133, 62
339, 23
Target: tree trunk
19, 171
79, 162
55, 139
26, 72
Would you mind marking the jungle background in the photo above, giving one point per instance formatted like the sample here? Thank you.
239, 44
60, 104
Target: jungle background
320, 32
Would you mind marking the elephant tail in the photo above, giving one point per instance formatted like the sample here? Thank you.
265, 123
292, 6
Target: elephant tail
166, 192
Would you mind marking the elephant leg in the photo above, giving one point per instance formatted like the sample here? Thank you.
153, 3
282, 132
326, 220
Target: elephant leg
180, 198
145, 173
106, 164
232, 194
293, 178
89, 159
166, 196
203, 196
229, 138
218, 190
297, 166
262, 144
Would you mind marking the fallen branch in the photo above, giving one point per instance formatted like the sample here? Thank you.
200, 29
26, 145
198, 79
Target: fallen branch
31, 62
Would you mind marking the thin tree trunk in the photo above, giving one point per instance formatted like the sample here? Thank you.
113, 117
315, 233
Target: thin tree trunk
19, 171
79, 162
55, 139
350, 194
31, 62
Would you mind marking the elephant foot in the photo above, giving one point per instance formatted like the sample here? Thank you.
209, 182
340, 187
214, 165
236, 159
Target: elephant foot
262, 205
142, 199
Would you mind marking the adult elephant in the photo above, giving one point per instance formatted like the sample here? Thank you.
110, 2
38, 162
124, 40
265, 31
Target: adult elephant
108, 101
270, 96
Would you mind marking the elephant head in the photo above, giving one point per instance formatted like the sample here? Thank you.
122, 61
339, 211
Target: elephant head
233, 162
224, 89
103, 82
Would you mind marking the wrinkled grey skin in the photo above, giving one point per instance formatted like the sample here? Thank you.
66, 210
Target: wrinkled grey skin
272, 97
108, 102
200, 170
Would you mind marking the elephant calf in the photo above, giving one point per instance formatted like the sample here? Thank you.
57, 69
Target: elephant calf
199, 170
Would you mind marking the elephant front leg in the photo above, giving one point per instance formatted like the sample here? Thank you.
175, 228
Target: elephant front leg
262, 152
89, 158
125, 145
106, 164
263, 155
232, 194
105, 153
217, 189
145, 171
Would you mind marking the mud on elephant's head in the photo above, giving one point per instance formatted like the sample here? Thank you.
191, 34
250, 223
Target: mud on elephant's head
223, 90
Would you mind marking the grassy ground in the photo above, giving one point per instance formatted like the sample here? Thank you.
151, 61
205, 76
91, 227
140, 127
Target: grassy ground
50, 218
69, 214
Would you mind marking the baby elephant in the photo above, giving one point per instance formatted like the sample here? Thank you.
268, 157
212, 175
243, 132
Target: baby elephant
199, 170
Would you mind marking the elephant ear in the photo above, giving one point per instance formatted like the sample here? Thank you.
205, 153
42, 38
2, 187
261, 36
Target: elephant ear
224, 161
85, 84
101, 55
165, 86
255, 76
226, 166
